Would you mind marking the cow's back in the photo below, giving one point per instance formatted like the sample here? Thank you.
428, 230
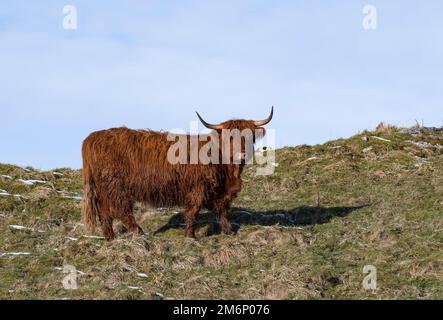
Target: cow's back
135, 163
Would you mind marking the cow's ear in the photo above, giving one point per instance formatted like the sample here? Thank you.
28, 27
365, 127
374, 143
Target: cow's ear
260, 132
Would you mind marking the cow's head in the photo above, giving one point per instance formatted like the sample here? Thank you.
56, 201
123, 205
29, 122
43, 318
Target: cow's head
239, 136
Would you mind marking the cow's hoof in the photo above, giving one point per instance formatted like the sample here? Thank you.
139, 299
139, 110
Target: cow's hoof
139, 231
228, 230
109, 237
190, 234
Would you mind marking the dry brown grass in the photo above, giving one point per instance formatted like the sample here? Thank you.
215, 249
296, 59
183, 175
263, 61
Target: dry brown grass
385, 128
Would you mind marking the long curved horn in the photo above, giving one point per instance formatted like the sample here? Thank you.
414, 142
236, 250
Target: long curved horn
265, 121
208, 125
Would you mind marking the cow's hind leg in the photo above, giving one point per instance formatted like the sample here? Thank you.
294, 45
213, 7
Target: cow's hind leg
123, 212
129, 222
106, 221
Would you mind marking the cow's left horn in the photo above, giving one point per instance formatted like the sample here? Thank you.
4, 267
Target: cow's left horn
208, 125
265, 121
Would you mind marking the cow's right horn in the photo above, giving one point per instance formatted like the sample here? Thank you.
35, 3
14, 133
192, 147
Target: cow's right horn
208, 125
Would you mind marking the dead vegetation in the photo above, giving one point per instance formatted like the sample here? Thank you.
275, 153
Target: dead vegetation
305, 232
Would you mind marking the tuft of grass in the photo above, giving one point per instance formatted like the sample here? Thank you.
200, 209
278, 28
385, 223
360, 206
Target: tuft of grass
304, 232
385, 128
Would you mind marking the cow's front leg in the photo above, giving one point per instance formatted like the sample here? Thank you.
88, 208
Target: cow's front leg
221, 210
192, 208
222, 206
233, 184
191, 214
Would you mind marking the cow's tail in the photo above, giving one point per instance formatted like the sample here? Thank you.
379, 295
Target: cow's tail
90, 200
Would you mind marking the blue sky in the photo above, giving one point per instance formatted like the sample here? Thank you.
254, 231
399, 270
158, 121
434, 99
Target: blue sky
151, 64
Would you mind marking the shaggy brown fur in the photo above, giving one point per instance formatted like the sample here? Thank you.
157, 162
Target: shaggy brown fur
123, 166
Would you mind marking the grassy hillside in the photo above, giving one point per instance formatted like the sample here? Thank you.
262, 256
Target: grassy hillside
306, 231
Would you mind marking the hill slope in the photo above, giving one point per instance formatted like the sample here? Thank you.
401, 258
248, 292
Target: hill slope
306, 231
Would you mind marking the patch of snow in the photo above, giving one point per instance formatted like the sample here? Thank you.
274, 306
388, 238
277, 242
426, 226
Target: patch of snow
77, 271
32, 182
19, 227
135, 288
6, 176
3, 193
27, 182
311, 158
14, 254
71, 238
142, 275
381, 139
128, 269
367, 149
92, 237
57, 174
131, 269
72, 197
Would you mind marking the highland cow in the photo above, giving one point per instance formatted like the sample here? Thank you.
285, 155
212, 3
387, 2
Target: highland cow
123, 166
